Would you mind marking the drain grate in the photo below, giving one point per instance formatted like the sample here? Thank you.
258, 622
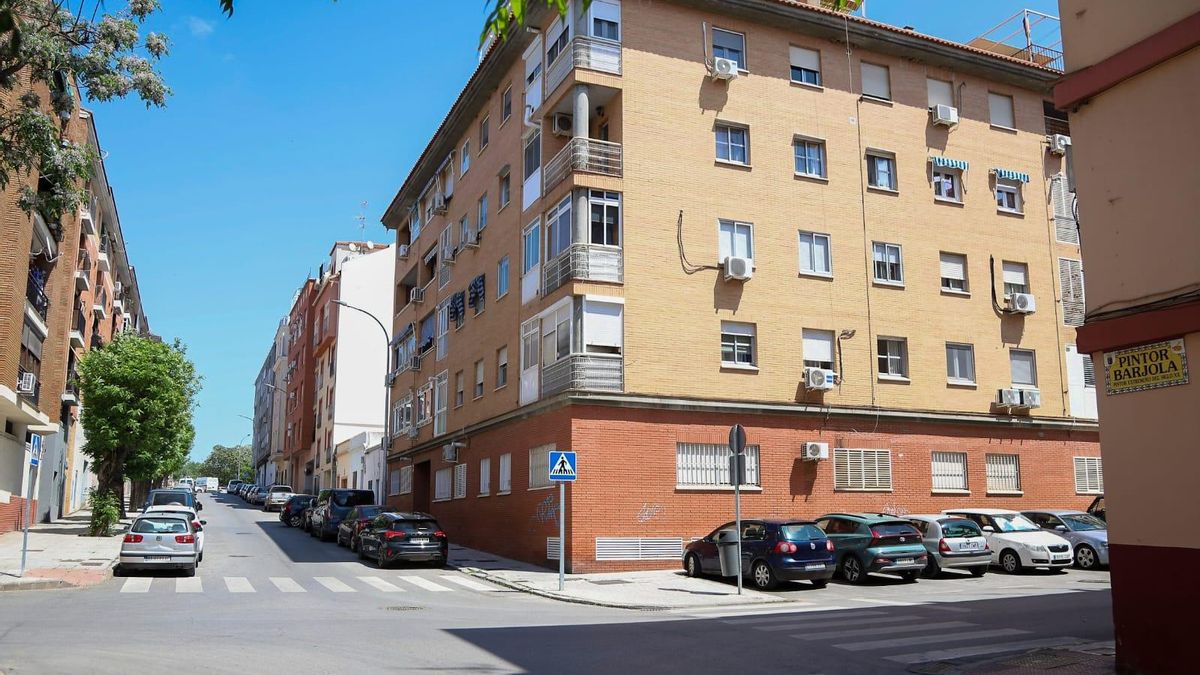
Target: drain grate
1044, 660
402, 608
608, 582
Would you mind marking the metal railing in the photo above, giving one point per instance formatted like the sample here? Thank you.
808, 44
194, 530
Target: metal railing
590, 262
1042, 56
586, 52
1055, 125
36, 294
596, 372
587, 155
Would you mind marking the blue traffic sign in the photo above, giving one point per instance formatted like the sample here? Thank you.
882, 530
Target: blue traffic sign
562, 465
35, 449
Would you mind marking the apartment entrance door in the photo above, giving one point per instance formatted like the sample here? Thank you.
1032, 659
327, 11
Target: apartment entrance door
420, 486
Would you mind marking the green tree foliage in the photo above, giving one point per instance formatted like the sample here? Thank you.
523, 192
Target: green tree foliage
226, 463
55, 45
106, 512
192, 470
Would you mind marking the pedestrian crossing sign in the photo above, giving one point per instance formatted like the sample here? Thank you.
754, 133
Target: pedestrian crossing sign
562, 465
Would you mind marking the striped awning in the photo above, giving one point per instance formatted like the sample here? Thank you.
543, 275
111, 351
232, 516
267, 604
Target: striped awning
1011, 175
949, 163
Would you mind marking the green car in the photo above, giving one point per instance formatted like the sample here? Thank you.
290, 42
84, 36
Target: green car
865, 543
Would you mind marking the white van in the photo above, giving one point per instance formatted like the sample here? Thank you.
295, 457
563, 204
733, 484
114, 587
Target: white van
208, 484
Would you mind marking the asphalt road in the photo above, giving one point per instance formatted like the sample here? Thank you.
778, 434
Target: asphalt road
272, 599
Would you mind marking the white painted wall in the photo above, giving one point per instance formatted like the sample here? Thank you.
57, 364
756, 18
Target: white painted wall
361, 350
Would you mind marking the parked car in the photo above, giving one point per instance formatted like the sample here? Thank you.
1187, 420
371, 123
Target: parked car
354, 522
410, 537
276, 496
292, 513
866, 543
207, 484
1016, 542
1087, 533
257, 495
246, 490
952, 543
186, 483
159, 541
773, 550
306, 515
232, 487
173, 496
332, 506
190, 514
1096, 508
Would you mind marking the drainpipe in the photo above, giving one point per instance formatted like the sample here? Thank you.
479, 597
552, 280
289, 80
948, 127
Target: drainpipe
579, 130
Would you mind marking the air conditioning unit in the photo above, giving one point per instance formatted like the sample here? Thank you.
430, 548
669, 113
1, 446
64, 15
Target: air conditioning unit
1031, 398
414, 362
439, 203
416, 296
1022, 302
27, 384
724, 69
391, 377
117, 288
814, 451
402, 251
1008, 398
1059, 143
738, 268
562, 124
945, 115
413, 432
472, 240
450, 453
819, 379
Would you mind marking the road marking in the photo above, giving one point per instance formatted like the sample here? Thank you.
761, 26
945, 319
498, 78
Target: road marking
380, 584
136, 585
980, 650
784, 617
926, 639
883, 631
467, 582
238, 585
847, 621
422, 582
877, 601
718, 613
188, 585
287, 585
947, 608
334, 584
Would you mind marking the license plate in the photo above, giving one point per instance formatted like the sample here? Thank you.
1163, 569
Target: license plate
969, 546
157, 557
904, 561
420, 541
815, 566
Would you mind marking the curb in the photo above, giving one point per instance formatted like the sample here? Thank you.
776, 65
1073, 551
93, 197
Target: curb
39, 585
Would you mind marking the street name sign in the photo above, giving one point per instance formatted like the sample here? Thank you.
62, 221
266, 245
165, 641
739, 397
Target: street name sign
1161, 364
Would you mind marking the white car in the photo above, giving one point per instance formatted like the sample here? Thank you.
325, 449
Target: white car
197, 524
1016, 541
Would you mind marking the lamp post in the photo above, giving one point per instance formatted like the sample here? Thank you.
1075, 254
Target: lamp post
252, 422
387, 392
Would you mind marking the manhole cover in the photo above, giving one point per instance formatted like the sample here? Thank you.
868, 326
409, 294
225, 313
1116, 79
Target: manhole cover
609, 582
1044, 660
402, 608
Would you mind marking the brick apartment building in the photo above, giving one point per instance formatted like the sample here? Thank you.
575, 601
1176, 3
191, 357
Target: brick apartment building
299, 433
649, 221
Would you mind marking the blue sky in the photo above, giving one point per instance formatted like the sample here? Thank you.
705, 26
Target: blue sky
283, 122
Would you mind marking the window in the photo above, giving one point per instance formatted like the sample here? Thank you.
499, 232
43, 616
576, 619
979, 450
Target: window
810, 157
1023, 364
1089, 371
960, 363
425, 404
529, 344
505, 481
406, 478
460, 481
893, 357
556, 336
1003, 473
606, 29
484, 132
949, 471
393, 482
505, 189
940, 92
532, 247
954, 272
558, 229
502, 366
459, 379
485, 476
707, 465
875, 81
606, 217
889, 267
1001, 109
466, 234
1070, 280
1016, 278
1008, 196
867, 470
881, 171
733, 144
1089, 476
561, 34
479, 378
482, 214
946, 185
806, 66
446, 243
441, 484
729, 45
539, 466
465, 158
736, 239
603, 324
502, 278
443, 329
814, 254
533, 154
506, 104
440, 399
737, 344
818, 348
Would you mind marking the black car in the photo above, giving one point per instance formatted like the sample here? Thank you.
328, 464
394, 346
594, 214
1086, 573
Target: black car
292, 513
773, 550
332, 506
354, 522
409, 537
182, 497
1096, 508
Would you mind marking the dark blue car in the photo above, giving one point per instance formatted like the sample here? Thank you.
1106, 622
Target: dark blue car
773, 550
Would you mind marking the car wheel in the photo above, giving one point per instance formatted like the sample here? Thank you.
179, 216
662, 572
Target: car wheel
1010, 562
379, 561
295, 521
820, 583
932, 568
1086, 558
354, 544
763, 576
361, 554
979, 571
852, 570
201, 558
691, 565
190, 572
117, 571
910, 575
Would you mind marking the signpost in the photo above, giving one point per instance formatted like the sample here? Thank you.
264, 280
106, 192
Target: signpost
562, 471
737, 475
35, 458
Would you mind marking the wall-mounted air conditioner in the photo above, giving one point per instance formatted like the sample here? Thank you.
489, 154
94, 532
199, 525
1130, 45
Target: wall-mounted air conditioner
724, 69
450, 453
562, 124
1058, 143
1008, 398
416, 296
1031, 398
819, 379
414, 363
402, 251
27, 383
814, 451
945, 115
741, 269
1022, 302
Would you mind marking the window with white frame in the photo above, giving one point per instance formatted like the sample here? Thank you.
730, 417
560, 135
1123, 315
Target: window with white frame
862, 470
406, 479
504, 479
556, 335
727, 44
442, 484
1089, 476
737, 344
539, 466
893, 357
533, 154
505, 187
1000, 108
465, 159
960, 363
532, 248
1023, 365
443, 329
606, 217
876, 82
947, 184
466, 234
424, 403
460, 481
478, 378
558, 229
736, 239
809, 155
506, 104
485, 476
888, 263
707, 465
1003, 473
440, 399
482, 213
806, 65
1008, 196
1089, 371
529, 343
949, 470
502, 366
817, 348
733, 143
502, 278
393, 482
1016, 277
446, 246
603, 327
953, 272
1070, 283
459, 379
881, 171
939, 92
485, 131
815, 256
606, 20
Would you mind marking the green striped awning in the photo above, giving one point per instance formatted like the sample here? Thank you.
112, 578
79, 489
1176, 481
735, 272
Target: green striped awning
949, 163
1011, 175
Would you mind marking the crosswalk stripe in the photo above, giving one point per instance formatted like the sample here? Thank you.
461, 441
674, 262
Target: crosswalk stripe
424, 583
880, 601
334, 584
380, 584
467, 582
136, 585
725, 614
847, 622
981, 650
188, 585
788, 617
238, 585
287, 585
927, 639
884, 630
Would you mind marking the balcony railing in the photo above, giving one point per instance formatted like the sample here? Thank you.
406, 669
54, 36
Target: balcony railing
587, 155
36, 294
586, 52
590, 262
595, 372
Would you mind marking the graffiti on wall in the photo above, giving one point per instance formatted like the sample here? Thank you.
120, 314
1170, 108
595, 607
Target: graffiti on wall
547, 510
649, 512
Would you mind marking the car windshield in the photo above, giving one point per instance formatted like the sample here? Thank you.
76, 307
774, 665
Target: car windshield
893, 529
801, 532
414, 526
281, 488
959, 528
180, 498
1084, 522
1014, 522
353, 498
160, 526
369, 511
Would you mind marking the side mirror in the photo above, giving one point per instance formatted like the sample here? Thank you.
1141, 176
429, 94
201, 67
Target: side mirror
1060, 528
988, 528
203, 522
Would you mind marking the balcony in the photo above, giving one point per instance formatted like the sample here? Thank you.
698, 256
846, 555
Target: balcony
70, 394
35, 293
99, 310
586, 52
102, 259
83, 279
78, 326
31, 392
589, 372
585, 155
86, 215
587, 262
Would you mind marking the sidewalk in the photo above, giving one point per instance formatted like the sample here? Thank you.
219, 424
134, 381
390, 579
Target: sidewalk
60, 555
650, 590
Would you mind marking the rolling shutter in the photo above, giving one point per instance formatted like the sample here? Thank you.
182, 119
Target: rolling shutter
1070, 278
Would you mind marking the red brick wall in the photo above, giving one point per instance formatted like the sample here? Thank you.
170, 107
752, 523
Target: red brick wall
12, 514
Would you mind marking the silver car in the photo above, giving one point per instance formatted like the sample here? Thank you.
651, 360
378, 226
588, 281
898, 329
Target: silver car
1087, 534
276, 497
953, 543
159, 541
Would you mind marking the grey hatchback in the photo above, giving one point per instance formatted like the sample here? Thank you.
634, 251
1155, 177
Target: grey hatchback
952, 542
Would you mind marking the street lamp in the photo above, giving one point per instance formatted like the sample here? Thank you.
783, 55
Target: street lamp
245, 417
387, 392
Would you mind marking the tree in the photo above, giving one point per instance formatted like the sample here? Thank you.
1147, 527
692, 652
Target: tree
47, 47
138, 397
192, 469
227, 463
